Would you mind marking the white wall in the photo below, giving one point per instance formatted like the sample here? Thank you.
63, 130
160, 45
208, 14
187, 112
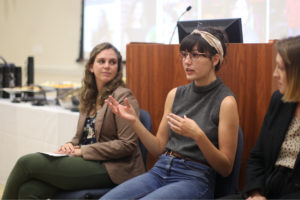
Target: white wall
48, 30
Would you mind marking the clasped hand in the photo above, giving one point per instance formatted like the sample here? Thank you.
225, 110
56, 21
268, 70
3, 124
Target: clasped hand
183, 125
69, 149
256, 196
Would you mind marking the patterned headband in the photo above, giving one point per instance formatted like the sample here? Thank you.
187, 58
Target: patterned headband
212, 41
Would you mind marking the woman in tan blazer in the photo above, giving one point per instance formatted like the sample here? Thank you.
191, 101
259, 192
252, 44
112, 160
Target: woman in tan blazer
104, 151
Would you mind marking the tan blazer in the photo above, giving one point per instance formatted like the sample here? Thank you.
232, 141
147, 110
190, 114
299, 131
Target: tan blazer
117, 144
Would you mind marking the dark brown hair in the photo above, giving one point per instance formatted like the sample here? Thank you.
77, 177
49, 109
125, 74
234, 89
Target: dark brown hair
192, 40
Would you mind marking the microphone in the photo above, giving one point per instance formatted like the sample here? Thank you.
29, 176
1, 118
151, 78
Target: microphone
186, 10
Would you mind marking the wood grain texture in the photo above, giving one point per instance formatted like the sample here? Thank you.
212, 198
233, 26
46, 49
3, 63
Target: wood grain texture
152, 70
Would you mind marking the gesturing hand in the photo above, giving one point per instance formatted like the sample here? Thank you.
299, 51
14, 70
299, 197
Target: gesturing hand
126, 112
183, 126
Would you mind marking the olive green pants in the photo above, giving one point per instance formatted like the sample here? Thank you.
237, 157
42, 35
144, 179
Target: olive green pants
38, 176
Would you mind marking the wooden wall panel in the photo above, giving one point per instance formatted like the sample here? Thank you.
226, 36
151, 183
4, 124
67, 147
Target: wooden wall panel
152, 70
247, 71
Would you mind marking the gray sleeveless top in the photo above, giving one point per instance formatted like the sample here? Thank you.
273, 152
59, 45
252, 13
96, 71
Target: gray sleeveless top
202, 104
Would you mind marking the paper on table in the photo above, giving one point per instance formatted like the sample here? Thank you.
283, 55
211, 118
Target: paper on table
54, 154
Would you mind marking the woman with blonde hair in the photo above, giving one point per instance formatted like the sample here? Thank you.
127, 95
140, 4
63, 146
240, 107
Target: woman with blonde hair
273, 168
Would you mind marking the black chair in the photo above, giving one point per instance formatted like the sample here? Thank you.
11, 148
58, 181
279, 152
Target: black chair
98, 192
230, 185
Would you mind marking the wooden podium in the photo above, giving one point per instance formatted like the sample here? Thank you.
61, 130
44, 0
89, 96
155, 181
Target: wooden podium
152, 70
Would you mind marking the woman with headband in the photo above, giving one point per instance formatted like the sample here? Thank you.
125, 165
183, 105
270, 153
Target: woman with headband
197, 136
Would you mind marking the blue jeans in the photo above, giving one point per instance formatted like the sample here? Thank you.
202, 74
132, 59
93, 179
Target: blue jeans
170, 178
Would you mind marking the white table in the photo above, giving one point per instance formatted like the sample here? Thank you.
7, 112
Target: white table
26, 129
